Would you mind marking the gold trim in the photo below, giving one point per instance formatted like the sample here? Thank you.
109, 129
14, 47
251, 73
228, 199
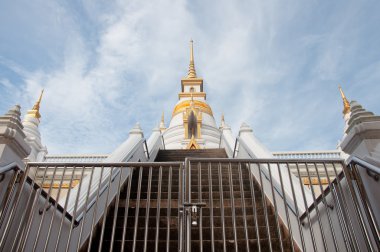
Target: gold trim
193, 145
181, 107
346, 103
315, 181
35, 111
64, 185
195, 94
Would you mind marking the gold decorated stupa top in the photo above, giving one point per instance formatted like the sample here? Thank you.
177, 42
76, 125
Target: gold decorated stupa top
35, 111
346, 103
191, 73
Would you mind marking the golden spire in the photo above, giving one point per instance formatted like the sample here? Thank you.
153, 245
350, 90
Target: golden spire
35, 111
162, 118
192, 73
222, 118
346, 103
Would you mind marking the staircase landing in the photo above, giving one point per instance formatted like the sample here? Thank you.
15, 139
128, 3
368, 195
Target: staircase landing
181, 154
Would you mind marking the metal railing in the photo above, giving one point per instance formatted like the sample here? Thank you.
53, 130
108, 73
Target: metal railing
203, 204
370, 214
262, 206
36, 215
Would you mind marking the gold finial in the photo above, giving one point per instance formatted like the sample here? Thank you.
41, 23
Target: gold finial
222, 118
162, 118
346, 103
192, 73
35, 111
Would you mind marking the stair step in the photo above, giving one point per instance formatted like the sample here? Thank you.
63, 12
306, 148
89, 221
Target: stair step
256, 222
181, 155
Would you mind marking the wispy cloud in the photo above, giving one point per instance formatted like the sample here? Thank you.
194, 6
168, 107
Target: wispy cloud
105, 66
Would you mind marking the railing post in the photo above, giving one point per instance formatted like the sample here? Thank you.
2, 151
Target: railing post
353, 175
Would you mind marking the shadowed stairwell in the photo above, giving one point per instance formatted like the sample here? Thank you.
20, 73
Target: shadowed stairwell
149, 209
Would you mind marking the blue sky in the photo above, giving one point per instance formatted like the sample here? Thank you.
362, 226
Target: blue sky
106, 65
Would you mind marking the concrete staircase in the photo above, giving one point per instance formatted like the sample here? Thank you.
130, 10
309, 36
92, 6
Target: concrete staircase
180, 155
233, 212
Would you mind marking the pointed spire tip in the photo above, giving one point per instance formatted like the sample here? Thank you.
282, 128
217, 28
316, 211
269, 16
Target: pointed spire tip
346, 103
35, 111
192, 73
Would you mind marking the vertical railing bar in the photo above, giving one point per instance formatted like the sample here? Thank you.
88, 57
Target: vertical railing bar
265, 207
232, 199
8, 195
366, 204
105, 210
147, 208
221, 205
188, 217
94, 215
158, 207
137, 209
85, 209
306, 206
338, 209
356, 209
15, 206
275, 208
116, 210
126, 207
326, 207
345, 211
74, 216
200, 209
255, 218
44, 207
29, 221
346, 234
242, 198
286, 207
300, 228
65, 208
211, 207
168, 211
181, 210
316, 208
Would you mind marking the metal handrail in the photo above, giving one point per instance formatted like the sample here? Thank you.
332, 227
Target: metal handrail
364, 164
338, 220
8, 167
373, 223
262, 178
324, 194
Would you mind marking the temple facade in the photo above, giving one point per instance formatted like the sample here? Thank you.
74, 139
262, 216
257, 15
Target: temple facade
192, 185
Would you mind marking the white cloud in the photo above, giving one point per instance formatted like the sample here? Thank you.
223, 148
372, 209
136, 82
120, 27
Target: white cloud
119, 62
